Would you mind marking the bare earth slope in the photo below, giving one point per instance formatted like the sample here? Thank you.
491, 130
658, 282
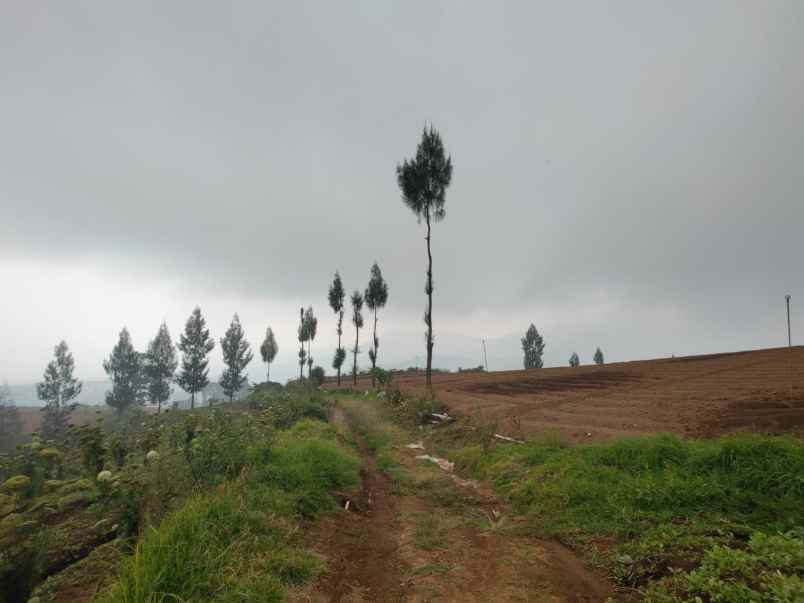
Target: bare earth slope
693, 395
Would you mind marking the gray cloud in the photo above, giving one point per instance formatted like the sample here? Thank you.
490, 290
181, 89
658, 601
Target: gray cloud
646, 153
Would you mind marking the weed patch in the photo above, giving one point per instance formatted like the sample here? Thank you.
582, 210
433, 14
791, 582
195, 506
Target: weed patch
674, 505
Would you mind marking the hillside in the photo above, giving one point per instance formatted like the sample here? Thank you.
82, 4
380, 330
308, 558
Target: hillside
692, 395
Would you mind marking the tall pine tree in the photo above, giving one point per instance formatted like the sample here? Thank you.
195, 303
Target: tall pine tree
574, 361
269, 349
195, 344
125, 370
423, 181
302, 333
160, 367
336, 297
57, 389
533, 347
357, 321
10, 421
310, 326
236, 356
376, 297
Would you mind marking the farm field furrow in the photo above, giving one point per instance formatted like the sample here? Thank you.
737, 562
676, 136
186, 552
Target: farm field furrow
694, 395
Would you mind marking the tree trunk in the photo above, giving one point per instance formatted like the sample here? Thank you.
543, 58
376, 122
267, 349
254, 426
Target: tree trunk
428, 377
309, 358
340, 330
374, 360
192, 400
268, 373
354, 366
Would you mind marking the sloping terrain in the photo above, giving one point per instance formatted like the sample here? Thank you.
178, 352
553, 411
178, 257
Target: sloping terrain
693, 395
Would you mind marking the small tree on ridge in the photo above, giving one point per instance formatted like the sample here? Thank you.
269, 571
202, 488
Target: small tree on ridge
533, 348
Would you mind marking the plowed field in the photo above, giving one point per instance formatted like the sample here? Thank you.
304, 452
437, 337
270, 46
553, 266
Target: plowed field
693, 395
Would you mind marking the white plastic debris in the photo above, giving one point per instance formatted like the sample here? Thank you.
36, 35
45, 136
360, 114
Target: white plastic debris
443, 463
507, 439
415, 446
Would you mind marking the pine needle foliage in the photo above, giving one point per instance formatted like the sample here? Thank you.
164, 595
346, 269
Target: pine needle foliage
236, 356
376, 297
423, 181
336, 299
161, 363
533, 348
269, 349
57, 388
357, 321
195, 344
599, 360
125, 370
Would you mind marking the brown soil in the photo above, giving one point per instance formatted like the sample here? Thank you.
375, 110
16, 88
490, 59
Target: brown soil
473, 549
695, 395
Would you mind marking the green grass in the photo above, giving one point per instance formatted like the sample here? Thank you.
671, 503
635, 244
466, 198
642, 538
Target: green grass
625, 486
428, 533
670, 503
237, 542
214, 548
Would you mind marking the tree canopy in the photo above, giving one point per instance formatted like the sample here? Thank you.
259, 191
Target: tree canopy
236, 356
160, 367
195, 344
376, 297
336, 297
599, 356
533, 348
423, 181
125, 370
269, 349
57, 389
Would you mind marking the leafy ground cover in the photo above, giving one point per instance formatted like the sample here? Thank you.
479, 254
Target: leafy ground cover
202, 505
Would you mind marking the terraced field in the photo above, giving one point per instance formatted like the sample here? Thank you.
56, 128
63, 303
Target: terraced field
693, 395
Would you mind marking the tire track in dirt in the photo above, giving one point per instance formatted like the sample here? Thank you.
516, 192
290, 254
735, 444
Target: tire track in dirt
362, 546
472, 551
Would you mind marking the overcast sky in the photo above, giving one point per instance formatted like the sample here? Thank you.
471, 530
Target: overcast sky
626, 174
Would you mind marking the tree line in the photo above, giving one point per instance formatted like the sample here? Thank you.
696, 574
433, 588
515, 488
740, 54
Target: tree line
533, 348
147, 377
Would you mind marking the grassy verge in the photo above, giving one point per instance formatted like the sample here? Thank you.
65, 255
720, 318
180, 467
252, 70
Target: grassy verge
691, 518
238, 540
370, 421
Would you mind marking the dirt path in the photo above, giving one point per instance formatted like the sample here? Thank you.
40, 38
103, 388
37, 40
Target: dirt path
421, 536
